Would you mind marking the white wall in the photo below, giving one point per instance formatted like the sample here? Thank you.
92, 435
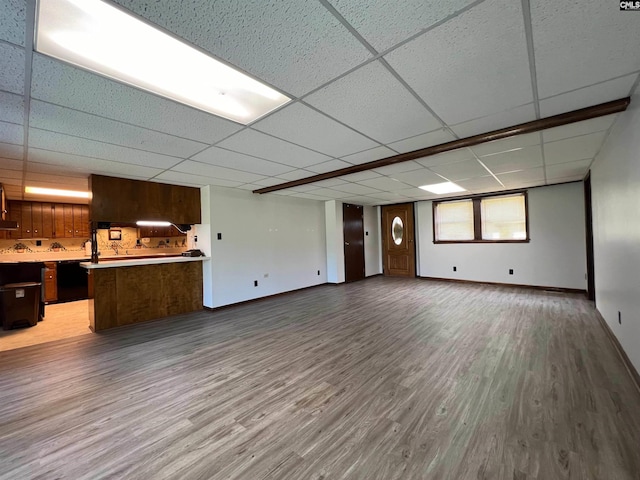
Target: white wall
615, 178
372, 242
335, 241
555, 256
278, 241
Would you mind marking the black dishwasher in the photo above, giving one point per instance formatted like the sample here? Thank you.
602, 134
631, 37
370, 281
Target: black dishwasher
73, 281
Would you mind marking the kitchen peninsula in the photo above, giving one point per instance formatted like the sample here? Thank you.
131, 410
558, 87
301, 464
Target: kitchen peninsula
127, 291
123, 291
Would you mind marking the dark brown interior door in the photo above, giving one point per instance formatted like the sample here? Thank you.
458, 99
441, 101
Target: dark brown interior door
591, 282
353, 228
398, 246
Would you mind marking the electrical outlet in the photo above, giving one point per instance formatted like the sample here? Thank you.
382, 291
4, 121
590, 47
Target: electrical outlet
38, 243
255, 283
455, 269
366, 233
318, 272
511, 271
219, 236
619, 318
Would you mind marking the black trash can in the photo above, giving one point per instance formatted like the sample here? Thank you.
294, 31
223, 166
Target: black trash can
19, 304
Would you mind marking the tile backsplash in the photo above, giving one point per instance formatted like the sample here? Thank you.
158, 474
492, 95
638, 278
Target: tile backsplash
128, 241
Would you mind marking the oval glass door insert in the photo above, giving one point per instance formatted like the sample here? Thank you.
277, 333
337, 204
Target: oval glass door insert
397, 230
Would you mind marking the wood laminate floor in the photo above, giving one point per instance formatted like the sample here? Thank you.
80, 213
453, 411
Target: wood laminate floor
379, 379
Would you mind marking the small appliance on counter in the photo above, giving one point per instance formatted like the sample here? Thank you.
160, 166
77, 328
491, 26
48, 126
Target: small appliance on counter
193, 253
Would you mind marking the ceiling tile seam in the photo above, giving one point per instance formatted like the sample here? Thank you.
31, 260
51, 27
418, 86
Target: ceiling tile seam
89, 157
193, 45
129, 124
11, 44
246, 155
231, 168
29, 32
488, 170
528, 31
617, 77
380, 144
454, 125
634, 86
544, 158
338, 16
431, 27
104, 143
604, 140
416, 96
574, 136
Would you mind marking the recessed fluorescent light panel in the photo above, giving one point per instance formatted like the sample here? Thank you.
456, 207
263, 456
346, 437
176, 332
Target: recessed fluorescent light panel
57, 192
440, 188
104, 39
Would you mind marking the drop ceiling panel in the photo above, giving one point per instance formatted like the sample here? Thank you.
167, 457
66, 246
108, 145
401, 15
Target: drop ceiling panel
383, 25
588, 96
12, 21
327, 193
193, 180
329, 183
10, 164
239, 161
58, 142
312, 45
11, 68
10, 176
385, 184
57, 181
503, 146
11, 151
571, 169
581, 43
369, 155
418, 178
94, 94
360, 200
328, 166
213, 171
460, 170
448, 157
528, 157
356, 189
295, 175
267, 182
72, 122
310, 196
398, 168
304, 126
64, 163
472, 66
579, 128
373, 102
11, 133
515, 116
576, 148
422, 141
515, 179
265, 146
481, 184
13, 192
11, 108
359, 176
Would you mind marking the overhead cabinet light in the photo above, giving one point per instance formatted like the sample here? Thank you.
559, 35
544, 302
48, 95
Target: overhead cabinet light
441, 188
104, 39
57, 192
151, 223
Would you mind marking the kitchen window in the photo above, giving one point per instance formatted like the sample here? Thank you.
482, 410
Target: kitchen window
482, 219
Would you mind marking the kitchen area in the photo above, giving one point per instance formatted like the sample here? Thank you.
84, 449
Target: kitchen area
59, 254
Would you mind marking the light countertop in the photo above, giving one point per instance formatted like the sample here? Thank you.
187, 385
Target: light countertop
132, 262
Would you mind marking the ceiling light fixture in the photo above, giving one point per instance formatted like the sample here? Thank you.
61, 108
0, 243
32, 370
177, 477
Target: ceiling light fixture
57, 192
445, 187
104, 39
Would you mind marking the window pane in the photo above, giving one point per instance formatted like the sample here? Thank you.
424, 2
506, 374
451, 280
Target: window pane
454, 220
503, 218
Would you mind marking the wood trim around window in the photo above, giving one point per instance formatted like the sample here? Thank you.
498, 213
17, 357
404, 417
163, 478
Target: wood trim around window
477, 218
